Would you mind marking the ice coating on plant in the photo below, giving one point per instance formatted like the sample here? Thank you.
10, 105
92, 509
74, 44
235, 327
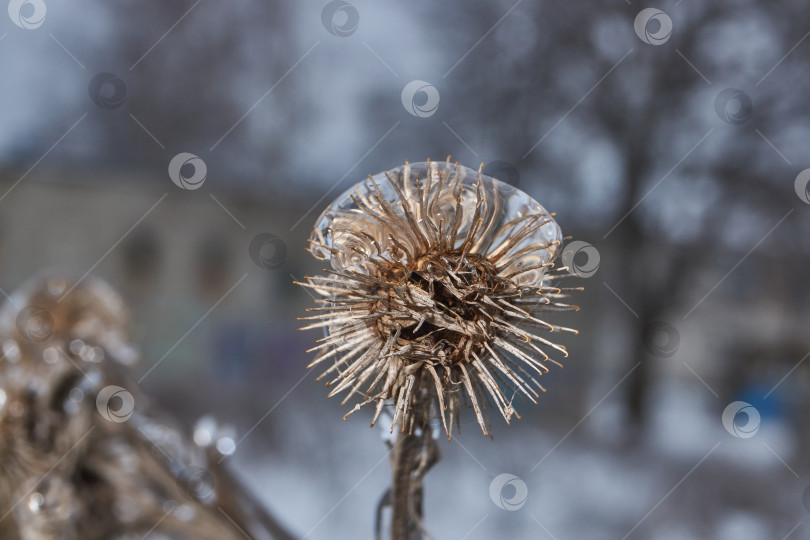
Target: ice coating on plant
354, 228
439, 278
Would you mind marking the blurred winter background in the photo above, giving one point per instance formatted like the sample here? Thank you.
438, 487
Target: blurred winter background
671, 140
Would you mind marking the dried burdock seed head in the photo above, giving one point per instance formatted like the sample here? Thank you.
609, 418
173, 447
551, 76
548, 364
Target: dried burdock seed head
440, 278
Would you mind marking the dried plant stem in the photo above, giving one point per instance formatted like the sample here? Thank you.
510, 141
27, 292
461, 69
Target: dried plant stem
411, 458
241, 508
402, 491
440, 281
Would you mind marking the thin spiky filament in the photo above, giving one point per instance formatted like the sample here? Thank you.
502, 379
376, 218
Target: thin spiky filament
435, 299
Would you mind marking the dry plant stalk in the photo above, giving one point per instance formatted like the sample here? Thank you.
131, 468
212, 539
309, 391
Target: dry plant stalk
83, 454
436, 298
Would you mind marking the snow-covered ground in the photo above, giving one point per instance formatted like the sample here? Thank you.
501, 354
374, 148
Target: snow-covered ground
688, 479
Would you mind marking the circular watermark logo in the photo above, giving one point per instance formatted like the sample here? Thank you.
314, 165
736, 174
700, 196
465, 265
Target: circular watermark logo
198, 483
802, 186
733, 106
741, 419
653, 26
107, 91
581, 258
187, 171
340, 18
35, 324
115, 404
27, 14
661, 339
503, 171
420, 98
268, 251
508, 492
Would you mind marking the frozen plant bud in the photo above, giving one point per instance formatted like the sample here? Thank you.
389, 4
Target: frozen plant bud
439, 282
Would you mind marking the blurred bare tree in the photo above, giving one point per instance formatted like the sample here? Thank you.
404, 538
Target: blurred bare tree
190, 87
701, 116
